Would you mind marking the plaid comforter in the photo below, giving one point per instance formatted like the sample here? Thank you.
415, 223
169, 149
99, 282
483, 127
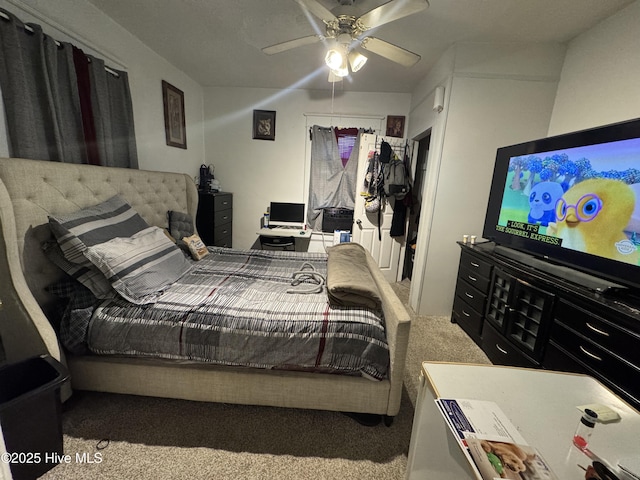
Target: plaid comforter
239, 307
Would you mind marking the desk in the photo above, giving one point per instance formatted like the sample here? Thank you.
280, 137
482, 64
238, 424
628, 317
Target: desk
285, 232
541, 404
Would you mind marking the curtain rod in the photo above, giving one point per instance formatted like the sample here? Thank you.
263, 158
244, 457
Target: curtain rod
30, 30
352, 115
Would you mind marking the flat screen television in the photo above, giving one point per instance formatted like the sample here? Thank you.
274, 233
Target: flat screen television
282, 214
573, 200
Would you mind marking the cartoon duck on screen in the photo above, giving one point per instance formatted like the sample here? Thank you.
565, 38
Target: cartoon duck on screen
591, 217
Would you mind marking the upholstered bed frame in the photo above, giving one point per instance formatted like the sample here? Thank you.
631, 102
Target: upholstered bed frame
30, 190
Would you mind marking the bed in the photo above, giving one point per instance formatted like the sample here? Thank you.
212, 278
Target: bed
32, 191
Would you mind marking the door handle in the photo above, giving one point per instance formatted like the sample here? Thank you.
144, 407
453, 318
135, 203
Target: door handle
359, 223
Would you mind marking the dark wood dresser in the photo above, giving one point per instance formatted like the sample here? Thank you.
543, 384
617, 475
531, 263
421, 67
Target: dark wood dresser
524, 316
214, 219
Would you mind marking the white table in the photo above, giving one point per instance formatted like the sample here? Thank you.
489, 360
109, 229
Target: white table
541, 404
285, 232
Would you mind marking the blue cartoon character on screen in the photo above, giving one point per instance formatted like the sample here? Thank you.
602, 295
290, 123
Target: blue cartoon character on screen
542, 202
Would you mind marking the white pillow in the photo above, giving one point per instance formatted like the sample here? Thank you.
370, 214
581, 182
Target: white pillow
141, 267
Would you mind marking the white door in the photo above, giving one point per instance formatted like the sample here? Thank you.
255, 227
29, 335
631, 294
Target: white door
386, 250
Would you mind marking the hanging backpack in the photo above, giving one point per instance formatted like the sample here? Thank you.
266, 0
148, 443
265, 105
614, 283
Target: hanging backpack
396, 179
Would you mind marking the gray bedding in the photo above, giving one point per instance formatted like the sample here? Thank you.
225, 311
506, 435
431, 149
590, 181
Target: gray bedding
239, 307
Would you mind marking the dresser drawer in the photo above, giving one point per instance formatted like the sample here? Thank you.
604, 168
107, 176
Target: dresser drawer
613, 368
474, 278
467, 318
616, 340
475, 265
555, 358
222, 201
221, 232
223, 242
473, 297
501, 352
222, 217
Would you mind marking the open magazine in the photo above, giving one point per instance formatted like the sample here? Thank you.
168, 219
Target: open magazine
494, 447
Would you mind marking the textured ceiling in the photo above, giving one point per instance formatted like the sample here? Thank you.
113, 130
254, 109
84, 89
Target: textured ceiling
219, 42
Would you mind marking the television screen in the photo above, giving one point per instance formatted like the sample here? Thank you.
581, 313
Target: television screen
574, 199
286, 214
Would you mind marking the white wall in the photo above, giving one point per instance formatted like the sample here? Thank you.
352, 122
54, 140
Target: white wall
260, 171
497, 95
82, 24
601, 75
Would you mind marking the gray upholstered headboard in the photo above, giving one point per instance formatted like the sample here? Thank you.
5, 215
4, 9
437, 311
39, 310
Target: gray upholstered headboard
39, 188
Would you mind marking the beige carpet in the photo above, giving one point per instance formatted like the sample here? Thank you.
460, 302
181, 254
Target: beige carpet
153, 438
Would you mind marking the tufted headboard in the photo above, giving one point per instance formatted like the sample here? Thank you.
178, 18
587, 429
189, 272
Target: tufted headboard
39, 188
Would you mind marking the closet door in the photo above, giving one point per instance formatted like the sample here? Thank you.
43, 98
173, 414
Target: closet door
387, 250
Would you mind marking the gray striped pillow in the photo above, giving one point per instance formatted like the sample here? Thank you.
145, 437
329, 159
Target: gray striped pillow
140, 267
86, 274
93, 225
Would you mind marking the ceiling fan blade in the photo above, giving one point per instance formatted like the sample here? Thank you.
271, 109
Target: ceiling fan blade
390, 51
298, 42
391, 11
318, 10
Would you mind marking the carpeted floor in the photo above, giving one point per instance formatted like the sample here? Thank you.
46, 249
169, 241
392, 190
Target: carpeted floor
154, 438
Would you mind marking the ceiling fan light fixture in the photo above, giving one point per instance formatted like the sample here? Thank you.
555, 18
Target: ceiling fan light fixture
334, 58
333, 78
356, 60
342, 71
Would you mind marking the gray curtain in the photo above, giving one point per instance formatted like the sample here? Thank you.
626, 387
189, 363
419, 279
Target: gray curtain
112, 115
331, 184
40, 94
44, 113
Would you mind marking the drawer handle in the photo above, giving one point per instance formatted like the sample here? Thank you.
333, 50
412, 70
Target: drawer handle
225, 217
502, 349
465, 314
473, 279
597, 330
587, 352
473, 264
468, 294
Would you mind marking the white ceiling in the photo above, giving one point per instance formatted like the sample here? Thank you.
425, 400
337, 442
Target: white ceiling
219, 42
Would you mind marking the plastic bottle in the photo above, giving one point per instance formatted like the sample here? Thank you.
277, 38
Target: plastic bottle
585, 429
265, 221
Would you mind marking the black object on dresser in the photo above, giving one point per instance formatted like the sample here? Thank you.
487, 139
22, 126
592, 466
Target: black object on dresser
214, 218
523, 316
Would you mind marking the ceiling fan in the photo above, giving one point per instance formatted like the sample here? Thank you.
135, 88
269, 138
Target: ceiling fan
345, 31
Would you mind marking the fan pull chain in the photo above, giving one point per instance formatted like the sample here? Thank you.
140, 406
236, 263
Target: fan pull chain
333, 92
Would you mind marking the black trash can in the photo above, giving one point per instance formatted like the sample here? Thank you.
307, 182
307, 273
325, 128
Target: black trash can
30, 415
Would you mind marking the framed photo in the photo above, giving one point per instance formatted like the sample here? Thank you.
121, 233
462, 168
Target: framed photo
264, 124
174, 123
395, 126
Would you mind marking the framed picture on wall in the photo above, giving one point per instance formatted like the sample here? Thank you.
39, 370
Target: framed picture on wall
174, 121
395, 126
264, 125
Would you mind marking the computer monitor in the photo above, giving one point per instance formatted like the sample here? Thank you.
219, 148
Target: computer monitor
283, 214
